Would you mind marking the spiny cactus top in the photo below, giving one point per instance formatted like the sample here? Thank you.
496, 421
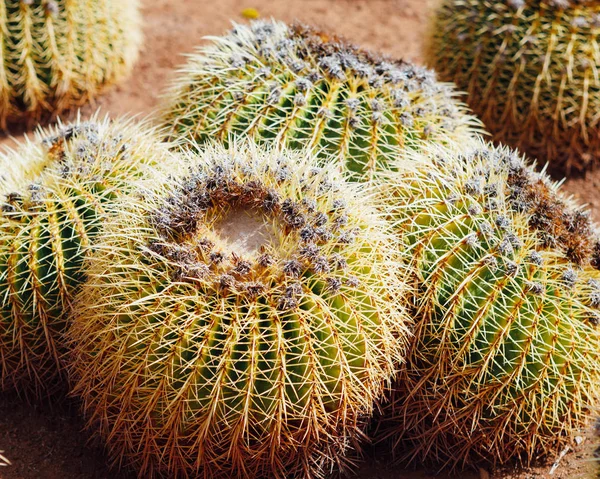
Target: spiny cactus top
240, 320
304, 88
53, 193
505, 361
57, 54
530, 68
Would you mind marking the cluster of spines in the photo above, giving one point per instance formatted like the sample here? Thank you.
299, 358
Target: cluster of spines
530, 70
216, 378
504, 362
302, 88
56, 55
54, 192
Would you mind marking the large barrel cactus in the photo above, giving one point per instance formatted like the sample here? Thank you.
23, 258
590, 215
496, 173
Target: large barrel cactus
302, 88
530, 68
505, 360
53, 194
57, 54
240, 320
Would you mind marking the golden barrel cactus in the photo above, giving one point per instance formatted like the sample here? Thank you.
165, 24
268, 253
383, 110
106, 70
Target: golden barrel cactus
54, 192
57, 54
240, 320
505, 359
302, 88
531, 72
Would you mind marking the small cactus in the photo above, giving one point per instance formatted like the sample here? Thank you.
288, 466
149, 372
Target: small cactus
53, 193
505, 360
530, 68
246, 323
302, 88
58, 54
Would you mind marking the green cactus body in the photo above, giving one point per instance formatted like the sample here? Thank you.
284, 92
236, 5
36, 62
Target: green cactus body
57, 54
505, 361
53, 194
246, 323
530, 68
301, 88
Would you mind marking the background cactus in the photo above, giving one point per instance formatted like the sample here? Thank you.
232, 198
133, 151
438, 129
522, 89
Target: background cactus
53, 193
240, 320
57, 54
303, 88
530, 68
505, 358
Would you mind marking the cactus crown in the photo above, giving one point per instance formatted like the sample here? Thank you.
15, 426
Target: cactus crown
530, 71
556, 221
89, 153
300, 87
70, 151
506, 351
266, 307
201, 229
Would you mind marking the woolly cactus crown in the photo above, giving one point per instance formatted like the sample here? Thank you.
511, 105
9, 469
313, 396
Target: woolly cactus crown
57, 54
504, 364
300, 88
244, 325
530, 68
54, 192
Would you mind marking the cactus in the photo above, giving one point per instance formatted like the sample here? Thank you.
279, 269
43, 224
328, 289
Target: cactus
53, 194
505, 360
58, 54
244, 325
530, 68
305, 89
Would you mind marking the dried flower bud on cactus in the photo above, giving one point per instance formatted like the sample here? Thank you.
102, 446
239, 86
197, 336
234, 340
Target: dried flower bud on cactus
530, 68
505, 360
53, 194
300, 87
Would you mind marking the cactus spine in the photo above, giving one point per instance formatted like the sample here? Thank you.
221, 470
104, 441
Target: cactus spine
58, 54
245, 323
530, 68
302, 88
53, 193
505, 361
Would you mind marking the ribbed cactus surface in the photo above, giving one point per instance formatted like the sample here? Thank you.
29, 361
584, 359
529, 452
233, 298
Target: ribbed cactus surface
240, 320
504, 364
299, 87
53, 193
57, 54
530, 68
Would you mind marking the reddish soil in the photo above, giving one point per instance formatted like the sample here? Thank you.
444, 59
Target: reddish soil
46, 442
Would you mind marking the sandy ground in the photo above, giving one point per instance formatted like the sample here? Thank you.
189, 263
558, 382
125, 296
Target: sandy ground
46, 442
